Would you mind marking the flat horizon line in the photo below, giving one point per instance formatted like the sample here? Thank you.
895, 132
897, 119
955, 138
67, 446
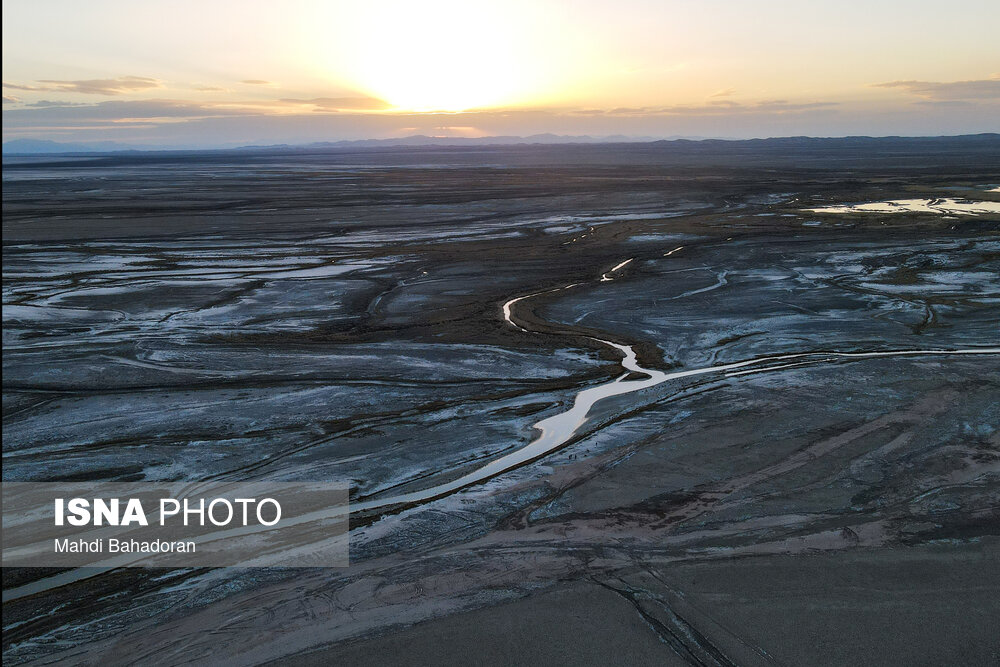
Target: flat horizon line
46, 147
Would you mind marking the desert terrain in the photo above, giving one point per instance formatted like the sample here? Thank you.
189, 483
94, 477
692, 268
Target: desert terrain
666, 403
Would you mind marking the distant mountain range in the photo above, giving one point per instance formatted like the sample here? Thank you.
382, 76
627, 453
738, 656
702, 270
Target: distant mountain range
41, 146
423, 140
46, 147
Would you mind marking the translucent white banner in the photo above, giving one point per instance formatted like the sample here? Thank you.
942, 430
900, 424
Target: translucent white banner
175, 524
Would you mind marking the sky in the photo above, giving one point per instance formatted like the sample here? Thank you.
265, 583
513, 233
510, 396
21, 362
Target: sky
217, 73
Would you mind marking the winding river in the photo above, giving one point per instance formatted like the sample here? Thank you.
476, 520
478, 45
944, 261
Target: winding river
552, 432
559, 429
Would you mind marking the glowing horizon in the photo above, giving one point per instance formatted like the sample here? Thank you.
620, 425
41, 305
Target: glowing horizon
226, 73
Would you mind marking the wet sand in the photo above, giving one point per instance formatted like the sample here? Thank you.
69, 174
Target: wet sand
765, 391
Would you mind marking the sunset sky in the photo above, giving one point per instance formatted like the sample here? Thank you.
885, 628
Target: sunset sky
214, 73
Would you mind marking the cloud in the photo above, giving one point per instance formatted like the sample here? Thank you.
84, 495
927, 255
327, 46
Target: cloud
724, 93
256, 82
120, 113
42, 104
980, 89
10, 99
945, 103
114, 113
764, 107
338, 103
17, 86
211, 89
718, 107
122, 84
206, 120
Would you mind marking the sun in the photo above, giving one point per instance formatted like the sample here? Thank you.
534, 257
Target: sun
436, 56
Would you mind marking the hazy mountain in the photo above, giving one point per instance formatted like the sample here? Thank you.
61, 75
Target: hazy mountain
37, 146
47, 146
423, 140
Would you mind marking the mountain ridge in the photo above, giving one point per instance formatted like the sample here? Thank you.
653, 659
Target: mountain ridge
29, 147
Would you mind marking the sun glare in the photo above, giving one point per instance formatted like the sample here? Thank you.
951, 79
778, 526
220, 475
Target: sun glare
439, 56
